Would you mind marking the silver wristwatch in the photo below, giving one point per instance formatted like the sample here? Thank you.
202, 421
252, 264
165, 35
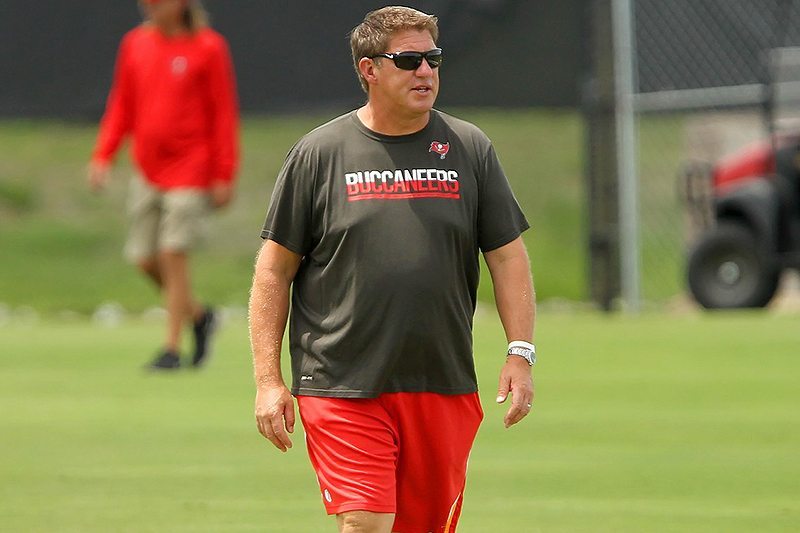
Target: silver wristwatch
529, 354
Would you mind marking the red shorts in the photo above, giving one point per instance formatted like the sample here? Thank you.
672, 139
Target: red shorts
402, 453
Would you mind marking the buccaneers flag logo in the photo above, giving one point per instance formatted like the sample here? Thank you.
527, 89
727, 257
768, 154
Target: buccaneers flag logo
439, 148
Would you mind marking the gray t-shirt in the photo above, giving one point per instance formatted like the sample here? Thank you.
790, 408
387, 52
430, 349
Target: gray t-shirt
390, 229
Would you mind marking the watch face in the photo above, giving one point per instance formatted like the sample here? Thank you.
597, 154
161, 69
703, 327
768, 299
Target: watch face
523, 349
528, 355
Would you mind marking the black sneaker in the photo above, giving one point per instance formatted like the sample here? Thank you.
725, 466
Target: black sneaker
203, 330
166, 360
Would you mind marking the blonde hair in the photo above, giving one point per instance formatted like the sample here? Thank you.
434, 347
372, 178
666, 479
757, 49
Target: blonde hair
372, 36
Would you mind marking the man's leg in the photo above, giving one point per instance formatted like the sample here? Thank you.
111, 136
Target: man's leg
365, 522
177, 293
435, 433
141, 248
352, 446
151, 268
169, 272
182, 226
155, 218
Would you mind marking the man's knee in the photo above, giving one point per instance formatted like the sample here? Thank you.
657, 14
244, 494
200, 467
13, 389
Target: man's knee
173, 253
173, 262
365, 522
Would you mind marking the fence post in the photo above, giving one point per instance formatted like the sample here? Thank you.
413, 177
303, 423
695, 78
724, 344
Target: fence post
625, 85
599, 104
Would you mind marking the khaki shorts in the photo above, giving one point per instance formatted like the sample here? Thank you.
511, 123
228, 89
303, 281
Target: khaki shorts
173, 220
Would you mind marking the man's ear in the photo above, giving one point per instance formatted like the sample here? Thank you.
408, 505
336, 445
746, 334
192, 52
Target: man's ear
368, 68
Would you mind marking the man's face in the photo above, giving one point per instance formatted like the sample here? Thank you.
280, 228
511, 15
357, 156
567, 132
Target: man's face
408, 92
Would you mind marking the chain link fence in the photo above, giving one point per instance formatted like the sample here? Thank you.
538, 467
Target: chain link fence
704, 88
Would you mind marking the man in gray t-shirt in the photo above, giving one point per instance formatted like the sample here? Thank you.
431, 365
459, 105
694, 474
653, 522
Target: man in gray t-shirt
376, 223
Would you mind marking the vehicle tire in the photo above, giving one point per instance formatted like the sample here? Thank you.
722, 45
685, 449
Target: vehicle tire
727, 269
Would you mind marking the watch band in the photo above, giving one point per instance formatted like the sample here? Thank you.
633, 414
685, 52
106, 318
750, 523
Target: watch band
523, 349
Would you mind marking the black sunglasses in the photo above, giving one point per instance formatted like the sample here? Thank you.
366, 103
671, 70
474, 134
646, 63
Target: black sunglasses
412, 60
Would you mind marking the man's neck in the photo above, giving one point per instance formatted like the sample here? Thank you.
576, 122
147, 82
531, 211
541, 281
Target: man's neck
389, 123
171, 30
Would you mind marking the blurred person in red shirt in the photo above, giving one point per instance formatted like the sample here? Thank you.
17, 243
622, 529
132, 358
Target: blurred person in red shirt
174, 93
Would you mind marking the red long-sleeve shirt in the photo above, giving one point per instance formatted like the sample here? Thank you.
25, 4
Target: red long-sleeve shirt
176, 96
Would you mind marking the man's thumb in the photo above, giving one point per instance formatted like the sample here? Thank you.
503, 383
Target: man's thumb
502, 392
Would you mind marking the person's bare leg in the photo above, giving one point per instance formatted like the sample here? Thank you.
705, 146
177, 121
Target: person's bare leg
150, 268
365, 522
176, 285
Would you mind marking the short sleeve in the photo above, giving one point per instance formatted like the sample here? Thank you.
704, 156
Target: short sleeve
288, 219
500, 219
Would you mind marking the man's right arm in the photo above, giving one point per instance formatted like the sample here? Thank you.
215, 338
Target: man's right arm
117, 120
275, 269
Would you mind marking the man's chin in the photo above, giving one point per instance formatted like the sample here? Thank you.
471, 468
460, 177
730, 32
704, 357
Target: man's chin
422, 105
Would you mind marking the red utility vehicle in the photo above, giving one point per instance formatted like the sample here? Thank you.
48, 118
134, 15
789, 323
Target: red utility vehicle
750, 205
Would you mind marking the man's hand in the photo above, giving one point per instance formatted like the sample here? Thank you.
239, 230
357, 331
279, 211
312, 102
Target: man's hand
221, 194
516, 378
275, 414
98, 174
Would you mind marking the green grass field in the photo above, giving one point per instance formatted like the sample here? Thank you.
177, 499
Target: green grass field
663, 422
657, 423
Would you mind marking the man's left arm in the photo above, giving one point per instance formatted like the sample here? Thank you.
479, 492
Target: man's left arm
516, 305
225, 130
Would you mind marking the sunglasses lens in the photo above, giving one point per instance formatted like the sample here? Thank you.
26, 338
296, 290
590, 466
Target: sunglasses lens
434, 58
408, 60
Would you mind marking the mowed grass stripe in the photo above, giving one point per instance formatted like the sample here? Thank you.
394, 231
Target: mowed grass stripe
652, 423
